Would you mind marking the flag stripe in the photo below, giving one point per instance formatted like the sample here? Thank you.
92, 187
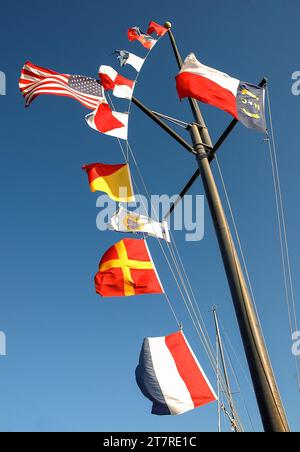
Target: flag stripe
116, 263
96, 170
207, 91
135, 61
57, 90
171, 377
52, 82
148, 382
120, 80
189, 370
175, 392
193, 66
35, 80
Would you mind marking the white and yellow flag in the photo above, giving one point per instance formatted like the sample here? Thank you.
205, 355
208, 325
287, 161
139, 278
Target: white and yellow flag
126, 221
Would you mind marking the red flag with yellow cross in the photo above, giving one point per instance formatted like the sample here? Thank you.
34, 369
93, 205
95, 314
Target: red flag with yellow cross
127, 269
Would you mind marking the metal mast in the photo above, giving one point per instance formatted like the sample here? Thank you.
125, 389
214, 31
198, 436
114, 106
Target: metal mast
266, 390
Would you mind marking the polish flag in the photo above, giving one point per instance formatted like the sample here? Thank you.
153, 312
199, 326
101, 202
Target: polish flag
207, 85
244, 101
110, 80
109, 122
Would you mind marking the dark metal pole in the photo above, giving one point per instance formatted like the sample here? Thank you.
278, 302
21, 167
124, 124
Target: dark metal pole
193, 103
267, 394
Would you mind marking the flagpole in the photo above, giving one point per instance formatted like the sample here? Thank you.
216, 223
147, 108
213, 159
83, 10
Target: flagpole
267, 394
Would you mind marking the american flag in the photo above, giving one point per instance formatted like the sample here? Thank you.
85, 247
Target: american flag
36, 80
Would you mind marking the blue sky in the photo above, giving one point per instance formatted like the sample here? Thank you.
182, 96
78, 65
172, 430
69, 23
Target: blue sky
70, 355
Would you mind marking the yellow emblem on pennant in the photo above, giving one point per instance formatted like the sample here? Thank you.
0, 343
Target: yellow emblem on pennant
251, 115
133, 223
248, 93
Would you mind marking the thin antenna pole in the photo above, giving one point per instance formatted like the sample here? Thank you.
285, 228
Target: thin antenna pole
225, 372
218, 385
267, 394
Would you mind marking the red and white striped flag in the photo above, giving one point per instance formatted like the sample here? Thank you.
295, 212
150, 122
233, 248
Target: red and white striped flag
36, 80
170, 375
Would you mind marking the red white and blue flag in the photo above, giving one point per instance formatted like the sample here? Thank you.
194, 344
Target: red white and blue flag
135, 34
170, 375
242, 100
36, 80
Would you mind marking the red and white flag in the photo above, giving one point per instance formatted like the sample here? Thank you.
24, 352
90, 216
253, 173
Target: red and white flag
170, 375
135, 34
110, 80
133, 60
242, 100
207, 85
109, 122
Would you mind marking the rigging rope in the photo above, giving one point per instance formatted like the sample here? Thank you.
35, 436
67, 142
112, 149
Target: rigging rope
175, 121
218, 387
284, 247
190, 301
200, 330
237, 235
234, 372
249, 282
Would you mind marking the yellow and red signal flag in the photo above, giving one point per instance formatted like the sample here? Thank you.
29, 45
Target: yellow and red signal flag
115, 180
127, 269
